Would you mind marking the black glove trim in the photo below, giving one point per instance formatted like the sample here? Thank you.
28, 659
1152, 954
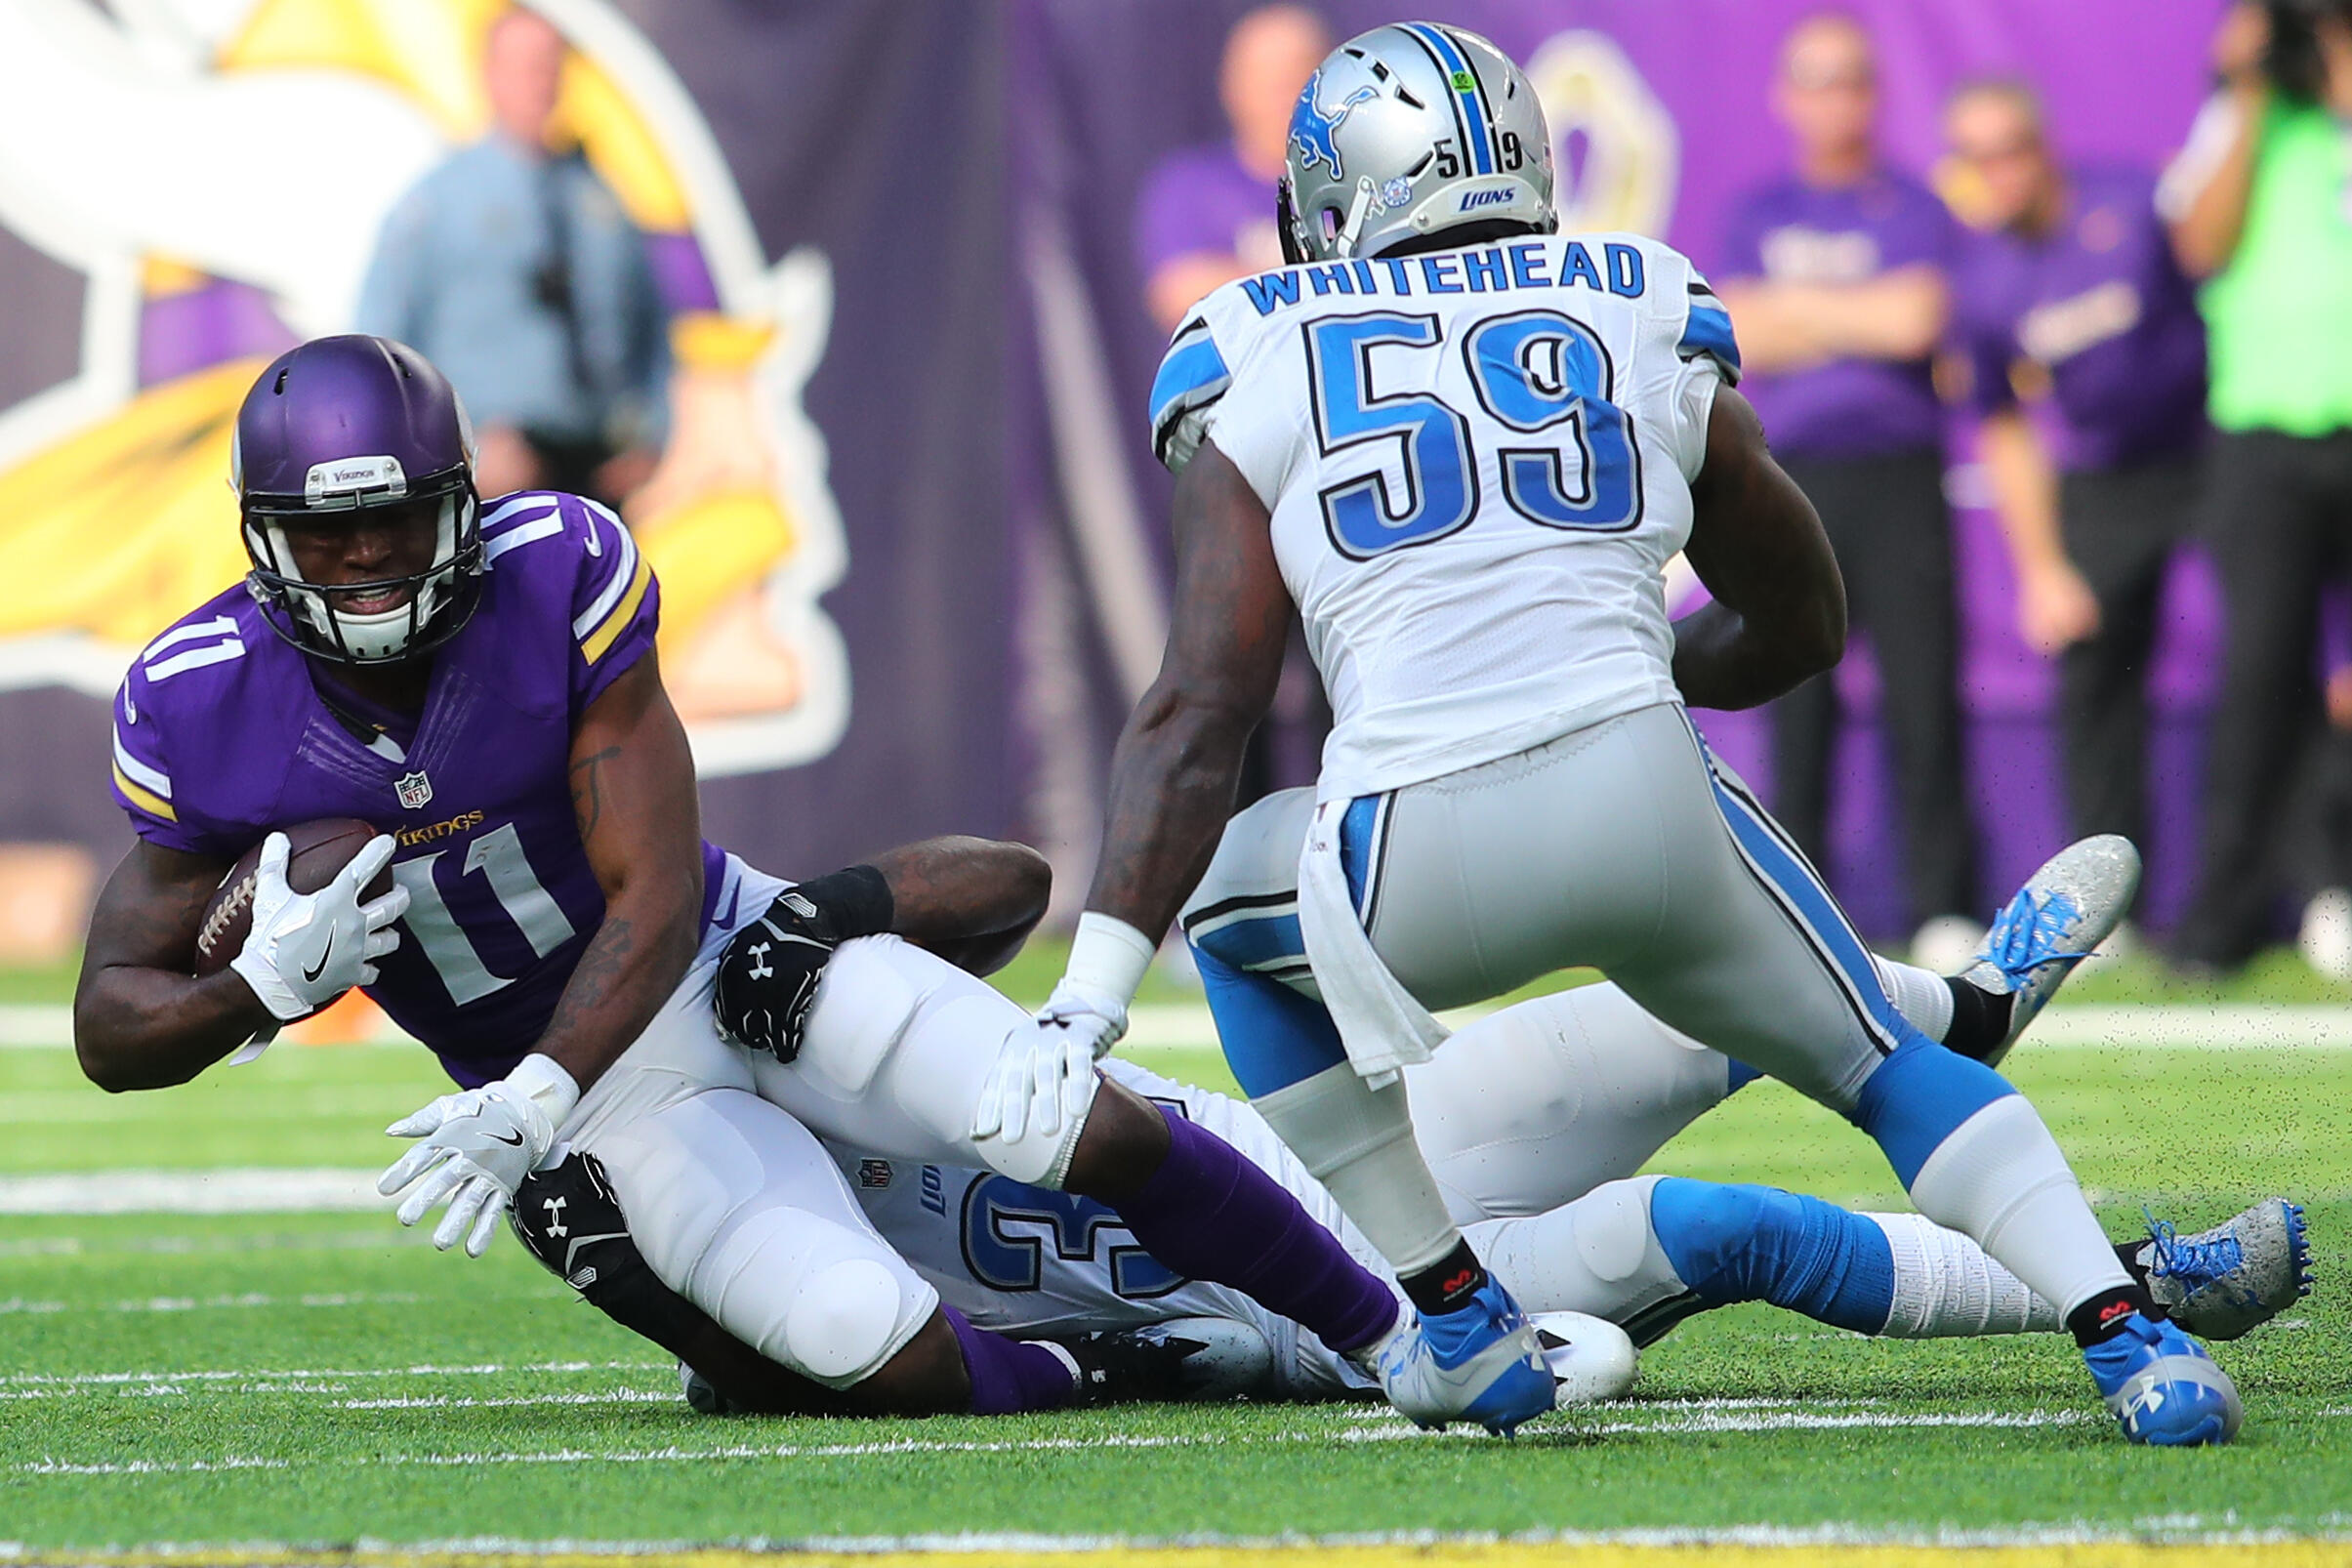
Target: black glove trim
852, 902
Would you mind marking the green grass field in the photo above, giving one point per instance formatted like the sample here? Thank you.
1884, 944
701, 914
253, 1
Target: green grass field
325, 1379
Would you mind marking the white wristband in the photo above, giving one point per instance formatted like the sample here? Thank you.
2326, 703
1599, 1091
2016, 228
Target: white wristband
542, 1080
1108, 957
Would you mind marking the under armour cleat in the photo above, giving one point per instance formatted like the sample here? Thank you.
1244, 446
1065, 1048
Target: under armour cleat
1183, 1360
2163, 1387
1589, 1358
1481, 1362
2063, 912
2239, 1275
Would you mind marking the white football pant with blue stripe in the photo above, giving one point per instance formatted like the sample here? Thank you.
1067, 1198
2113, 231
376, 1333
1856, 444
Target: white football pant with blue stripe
1626, 848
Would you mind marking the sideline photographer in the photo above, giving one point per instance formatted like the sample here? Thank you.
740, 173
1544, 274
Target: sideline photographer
2260, 208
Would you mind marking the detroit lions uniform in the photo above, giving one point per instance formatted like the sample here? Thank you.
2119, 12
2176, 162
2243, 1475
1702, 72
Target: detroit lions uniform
1475, 465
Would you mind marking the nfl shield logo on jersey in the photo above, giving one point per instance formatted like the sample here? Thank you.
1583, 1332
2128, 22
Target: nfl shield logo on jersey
414, 789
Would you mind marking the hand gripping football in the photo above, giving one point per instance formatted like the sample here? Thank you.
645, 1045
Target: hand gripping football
317, 852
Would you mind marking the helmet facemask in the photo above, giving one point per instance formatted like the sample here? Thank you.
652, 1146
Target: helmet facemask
437, 601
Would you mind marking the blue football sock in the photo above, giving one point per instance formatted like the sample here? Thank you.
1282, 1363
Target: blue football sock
1759, 1243
1273, 1036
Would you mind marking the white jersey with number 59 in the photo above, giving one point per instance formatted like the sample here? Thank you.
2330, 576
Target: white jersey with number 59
1477, 464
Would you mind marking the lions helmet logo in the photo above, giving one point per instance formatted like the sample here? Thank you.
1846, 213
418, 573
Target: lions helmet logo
1312, 125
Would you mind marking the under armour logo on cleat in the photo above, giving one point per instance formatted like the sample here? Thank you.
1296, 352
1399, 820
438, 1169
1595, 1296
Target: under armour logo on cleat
555, 1216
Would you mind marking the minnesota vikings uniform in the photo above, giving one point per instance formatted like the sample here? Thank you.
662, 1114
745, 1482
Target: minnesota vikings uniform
221, 733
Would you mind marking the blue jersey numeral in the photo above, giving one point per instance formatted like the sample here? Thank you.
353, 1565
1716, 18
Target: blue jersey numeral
1538, 370
1007, 1223
1535, 371
1441, 482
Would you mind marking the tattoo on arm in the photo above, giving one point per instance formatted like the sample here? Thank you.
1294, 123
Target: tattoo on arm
588, 790
592, 983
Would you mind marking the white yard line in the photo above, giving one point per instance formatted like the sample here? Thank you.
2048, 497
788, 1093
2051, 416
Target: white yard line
1674, 1423
232, 1190
1185, 1025
18, 1305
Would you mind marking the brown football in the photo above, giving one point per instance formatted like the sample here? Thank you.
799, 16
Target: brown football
315, 852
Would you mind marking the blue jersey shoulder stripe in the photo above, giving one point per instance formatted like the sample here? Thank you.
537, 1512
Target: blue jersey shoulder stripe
1708, 331
1194, 373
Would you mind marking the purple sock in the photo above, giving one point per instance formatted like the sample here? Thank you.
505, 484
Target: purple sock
1209, 1214
1010, 1376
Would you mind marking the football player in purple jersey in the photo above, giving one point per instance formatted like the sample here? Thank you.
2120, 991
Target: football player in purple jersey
480, 680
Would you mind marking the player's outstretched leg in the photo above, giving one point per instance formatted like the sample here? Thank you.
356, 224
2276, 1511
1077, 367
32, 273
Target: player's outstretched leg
1766, 966
1472, 1354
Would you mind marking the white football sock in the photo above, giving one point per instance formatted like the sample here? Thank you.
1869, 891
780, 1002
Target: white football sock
1945, 1287
2000, 1179
1357, 1140
1919, 995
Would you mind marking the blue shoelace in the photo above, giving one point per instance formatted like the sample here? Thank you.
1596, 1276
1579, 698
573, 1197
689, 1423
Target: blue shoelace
2196, 1264
2026, 933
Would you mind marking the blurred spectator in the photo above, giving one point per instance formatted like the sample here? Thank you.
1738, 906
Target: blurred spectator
513, 268
1834, 278
1207, 213
2261, 206
2073, 294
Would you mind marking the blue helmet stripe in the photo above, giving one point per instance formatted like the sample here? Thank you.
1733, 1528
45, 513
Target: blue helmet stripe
1473, 108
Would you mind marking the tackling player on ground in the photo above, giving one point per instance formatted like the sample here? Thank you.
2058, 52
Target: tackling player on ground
1464, 447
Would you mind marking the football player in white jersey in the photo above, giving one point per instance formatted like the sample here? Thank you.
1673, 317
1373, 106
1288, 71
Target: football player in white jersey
1464, 447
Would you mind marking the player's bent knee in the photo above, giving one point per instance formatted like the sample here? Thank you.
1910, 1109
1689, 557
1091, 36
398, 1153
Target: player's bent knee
1920, 1096
843, 1324
1613, 1228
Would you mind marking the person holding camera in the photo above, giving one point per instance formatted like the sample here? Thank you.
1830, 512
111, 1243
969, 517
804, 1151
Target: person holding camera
513, 268
2260, 208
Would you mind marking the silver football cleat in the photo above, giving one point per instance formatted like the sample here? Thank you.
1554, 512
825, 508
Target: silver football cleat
2064, 911
2239, 1275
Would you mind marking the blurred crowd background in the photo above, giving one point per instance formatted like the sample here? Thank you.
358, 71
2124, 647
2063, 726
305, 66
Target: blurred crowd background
850, 307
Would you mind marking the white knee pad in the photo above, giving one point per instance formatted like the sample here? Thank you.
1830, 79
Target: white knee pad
740, 1210
1613, 1228
1257, 856
841, 1325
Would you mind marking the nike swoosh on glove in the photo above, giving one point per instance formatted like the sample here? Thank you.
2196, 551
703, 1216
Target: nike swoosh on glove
478, 1144
307, 949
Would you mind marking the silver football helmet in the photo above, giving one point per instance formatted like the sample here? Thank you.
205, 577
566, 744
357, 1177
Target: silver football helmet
1407, 131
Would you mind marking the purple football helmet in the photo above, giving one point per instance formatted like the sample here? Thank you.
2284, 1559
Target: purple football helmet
349, 423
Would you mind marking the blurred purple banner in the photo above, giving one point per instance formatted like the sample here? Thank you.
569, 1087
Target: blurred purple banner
912, 544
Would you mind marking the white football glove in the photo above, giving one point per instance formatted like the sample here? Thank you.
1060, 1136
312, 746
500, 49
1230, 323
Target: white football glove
1044, 1077
479, 1145
307, 949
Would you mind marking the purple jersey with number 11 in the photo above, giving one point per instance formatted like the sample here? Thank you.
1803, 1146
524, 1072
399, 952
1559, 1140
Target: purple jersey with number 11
221, 734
